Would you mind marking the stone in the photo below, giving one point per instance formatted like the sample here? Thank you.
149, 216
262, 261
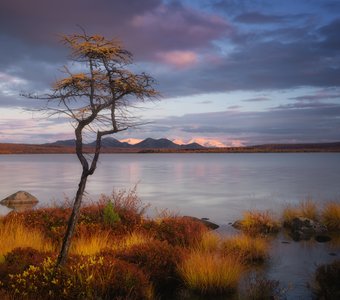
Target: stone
20, 197
322, 238
237, 224
304, 229
208, 224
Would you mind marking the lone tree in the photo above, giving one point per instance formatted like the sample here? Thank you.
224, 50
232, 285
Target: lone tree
96, 99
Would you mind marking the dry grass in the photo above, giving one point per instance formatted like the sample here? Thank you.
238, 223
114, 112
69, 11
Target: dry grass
248, 249
208, 273
90, 244
209, 242
95, 243
306, 209
14, 234
259, 222
133, 239
331, 216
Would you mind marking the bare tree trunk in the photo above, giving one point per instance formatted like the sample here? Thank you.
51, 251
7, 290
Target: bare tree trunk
72, 221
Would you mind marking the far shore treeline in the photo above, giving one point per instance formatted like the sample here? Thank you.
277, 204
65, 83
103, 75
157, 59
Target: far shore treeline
55, 148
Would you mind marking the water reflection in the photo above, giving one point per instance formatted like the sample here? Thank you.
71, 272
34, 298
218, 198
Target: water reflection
218, 186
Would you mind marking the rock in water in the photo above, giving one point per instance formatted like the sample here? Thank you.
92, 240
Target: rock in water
20, 197
208, 224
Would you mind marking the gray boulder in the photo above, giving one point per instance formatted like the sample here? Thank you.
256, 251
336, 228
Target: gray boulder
20, 197
304, 229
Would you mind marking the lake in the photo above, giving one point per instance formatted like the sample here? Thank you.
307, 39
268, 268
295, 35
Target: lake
218, 186
215, 185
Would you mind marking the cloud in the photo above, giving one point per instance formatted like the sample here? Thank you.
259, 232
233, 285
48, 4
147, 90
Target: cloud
234, 107
179, 59
280, 125
259, 18
256, 99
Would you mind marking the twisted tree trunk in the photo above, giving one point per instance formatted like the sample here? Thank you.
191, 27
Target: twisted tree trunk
72, 221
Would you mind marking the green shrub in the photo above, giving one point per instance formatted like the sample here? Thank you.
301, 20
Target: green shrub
110, 216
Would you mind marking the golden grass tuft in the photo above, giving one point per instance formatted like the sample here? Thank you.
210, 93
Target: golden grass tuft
208, 273
134, 238
15, 234
331, 216
247, 249
259, 222
306, 209
90, 244
209, 242
94, 243
309, 209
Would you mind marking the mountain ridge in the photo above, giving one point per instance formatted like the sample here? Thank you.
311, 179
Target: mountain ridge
148, 143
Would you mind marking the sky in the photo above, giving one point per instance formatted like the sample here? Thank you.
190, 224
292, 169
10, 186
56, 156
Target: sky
241, 72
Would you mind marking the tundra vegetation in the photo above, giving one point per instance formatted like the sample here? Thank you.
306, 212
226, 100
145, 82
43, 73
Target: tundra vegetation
119, 253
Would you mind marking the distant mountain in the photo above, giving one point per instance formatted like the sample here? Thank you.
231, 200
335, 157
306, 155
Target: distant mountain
208, 142
156, 144
149, 143
110, 142
62, 143
131, 141
192, 146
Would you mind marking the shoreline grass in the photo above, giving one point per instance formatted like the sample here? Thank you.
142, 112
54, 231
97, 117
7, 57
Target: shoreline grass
164, 254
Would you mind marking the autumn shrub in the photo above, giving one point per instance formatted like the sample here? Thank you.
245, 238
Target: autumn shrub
210, 274
84, 277
259, 222
327, 279
91, 213
18, 260
331, 216
158, 260
305, 209
128, 206
249, 249
177, 231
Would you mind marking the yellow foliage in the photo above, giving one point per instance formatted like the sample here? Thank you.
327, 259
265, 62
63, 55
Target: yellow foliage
90, 244
208, 273
306, 209
331, 216
209, 242
15, 234
248, 249
93, 244
259, 222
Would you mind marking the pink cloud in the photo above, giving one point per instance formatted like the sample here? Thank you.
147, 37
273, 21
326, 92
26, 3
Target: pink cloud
178, 59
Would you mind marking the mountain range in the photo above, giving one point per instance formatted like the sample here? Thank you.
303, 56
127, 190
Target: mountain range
149, 143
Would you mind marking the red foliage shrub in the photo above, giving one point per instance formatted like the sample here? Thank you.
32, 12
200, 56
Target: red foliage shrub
51, 221
93, 277
19, 260
157, 259
180, 231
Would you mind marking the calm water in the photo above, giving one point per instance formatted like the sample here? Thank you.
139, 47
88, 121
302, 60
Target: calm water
218, 186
